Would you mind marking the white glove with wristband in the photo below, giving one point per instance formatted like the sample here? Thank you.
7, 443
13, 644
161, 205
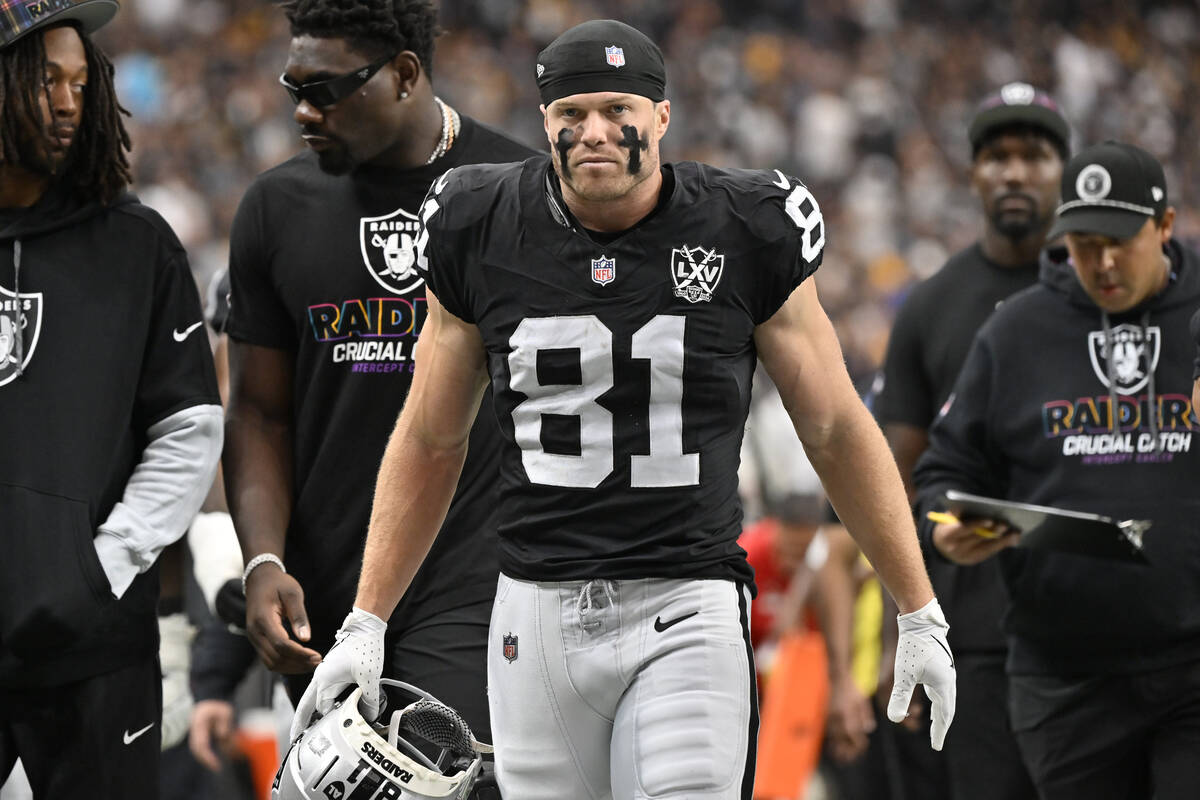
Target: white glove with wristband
356, 659
923, 656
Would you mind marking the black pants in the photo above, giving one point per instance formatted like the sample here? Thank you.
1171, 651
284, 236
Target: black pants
898, 764
97, 738
444, 654
982, 758
1112, 737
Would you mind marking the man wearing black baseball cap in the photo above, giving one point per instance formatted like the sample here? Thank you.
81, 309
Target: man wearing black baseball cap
1019, 140
617, 304
112, 419
1112, 189
1075, 396
1117, 224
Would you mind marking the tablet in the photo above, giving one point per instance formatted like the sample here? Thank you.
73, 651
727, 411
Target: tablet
1046, 528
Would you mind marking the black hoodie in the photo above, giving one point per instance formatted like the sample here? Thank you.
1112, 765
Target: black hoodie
1029, 421
105, 295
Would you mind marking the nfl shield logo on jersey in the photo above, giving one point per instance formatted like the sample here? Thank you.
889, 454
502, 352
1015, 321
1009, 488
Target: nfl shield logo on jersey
389, 250
604, 270
696, 272
1133, 356
20, 328
510, 647
614, 56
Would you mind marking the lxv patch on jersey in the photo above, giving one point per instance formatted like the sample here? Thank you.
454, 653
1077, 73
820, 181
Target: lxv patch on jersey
696, 272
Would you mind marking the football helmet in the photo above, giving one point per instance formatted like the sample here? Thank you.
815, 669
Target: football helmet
425, 751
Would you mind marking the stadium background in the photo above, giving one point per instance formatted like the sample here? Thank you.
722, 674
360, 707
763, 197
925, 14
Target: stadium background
865, 100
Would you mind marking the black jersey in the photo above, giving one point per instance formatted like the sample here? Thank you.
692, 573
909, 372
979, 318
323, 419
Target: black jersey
620, 371
322, 266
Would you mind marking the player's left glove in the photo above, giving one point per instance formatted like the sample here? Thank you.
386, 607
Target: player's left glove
923, 656
356, 658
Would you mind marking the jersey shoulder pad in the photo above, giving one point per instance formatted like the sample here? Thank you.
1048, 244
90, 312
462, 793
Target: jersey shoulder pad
463, 195
774, 206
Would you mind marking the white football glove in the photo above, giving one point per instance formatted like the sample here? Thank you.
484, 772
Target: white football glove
356, 658
923, 656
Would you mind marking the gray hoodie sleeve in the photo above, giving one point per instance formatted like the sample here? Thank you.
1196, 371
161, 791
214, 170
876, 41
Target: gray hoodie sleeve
163, 493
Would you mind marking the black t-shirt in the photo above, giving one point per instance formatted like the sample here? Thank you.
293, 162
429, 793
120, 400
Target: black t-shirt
322, 266
929, 343
621, 371
933, 332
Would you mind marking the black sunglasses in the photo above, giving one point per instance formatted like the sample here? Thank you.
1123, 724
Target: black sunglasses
329, 91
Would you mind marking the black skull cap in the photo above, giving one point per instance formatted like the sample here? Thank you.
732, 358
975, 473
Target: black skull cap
601, 55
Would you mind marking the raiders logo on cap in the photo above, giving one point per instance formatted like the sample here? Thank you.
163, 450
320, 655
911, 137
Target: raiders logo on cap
1093, 183
1110, 189
1017, 94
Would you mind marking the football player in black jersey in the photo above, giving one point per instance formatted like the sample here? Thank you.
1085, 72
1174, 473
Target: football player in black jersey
618, 305
325, 308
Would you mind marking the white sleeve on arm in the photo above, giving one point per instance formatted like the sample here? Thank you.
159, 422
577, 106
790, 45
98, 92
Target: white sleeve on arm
163, 494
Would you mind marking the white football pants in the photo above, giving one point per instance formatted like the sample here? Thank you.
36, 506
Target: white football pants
622, 690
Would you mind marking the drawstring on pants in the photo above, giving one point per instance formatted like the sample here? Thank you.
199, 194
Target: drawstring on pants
587, 601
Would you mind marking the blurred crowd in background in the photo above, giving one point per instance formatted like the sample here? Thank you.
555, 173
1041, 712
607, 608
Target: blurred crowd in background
867, 101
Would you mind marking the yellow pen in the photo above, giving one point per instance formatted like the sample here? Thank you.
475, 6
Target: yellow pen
950, 519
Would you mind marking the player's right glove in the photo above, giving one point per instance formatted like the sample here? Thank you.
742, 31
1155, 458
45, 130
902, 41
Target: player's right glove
356, 658
923, 656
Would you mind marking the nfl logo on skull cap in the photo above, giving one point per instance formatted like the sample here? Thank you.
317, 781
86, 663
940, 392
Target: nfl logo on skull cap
604, 270
510, 647
614, 56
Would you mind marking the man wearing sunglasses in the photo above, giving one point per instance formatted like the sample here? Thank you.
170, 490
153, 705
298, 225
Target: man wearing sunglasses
326, 309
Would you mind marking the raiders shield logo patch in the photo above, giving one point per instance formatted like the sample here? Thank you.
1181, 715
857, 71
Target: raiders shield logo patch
389, 250
1134, 356
696, 272
510, 648
20, 328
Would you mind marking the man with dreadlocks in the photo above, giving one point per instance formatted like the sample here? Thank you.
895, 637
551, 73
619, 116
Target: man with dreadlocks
112, 421
326, 308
